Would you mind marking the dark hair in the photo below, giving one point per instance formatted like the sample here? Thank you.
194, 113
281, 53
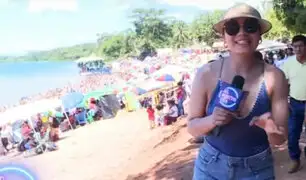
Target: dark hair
171, 102
258, 55
299, 38
180, 83
159, 107
282, 54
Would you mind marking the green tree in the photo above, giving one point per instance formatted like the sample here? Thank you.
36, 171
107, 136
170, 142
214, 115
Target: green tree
201, 27
151, 28
292, 14
279, 30
180, 34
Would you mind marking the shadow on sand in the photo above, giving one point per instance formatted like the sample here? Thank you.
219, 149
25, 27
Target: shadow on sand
177, 165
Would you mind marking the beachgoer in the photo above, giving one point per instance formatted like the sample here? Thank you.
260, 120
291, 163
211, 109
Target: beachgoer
26, 130
295, 71
54, 133
159, 115
181, 96
241, 148
151, 116
172, 114
6, 134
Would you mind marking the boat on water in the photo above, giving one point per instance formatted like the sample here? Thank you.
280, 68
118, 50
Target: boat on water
92, 65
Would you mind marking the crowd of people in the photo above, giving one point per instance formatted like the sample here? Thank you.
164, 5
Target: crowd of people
167, 106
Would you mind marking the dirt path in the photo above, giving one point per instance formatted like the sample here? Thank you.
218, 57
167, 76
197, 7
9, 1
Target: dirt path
174, 160
98, 151
125, 148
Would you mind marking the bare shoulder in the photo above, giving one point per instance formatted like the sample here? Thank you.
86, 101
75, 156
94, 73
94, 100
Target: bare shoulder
203, 73
205, 78
274, 78
208, 70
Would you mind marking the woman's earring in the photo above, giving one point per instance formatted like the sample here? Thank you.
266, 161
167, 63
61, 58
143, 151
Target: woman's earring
260, 41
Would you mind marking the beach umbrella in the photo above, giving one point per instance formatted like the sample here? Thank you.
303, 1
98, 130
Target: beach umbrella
96, 95
139, 91
165, 77
71, 100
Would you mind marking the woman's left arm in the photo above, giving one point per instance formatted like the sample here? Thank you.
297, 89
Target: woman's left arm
280, 107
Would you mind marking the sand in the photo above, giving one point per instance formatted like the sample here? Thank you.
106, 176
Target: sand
125, 148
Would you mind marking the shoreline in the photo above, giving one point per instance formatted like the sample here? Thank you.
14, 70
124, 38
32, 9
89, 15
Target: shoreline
84, 84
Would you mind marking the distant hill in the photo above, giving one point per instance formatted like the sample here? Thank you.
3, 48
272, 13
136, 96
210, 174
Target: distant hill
63, 53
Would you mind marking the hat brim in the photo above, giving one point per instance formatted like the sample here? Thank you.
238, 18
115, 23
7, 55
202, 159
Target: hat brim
265, 25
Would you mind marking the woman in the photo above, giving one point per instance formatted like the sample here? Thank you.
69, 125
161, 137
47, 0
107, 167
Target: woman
54, 133
173, 113
180, 95
241, 148
151, 116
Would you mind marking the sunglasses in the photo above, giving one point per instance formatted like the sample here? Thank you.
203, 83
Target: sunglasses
250, 26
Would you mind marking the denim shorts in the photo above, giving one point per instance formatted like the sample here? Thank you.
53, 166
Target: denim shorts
211, 164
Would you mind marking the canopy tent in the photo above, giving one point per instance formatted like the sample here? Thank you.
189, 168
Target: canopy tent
89, 59
170, 69
151, 84
218, 44
109, 106
269, 44
28, 110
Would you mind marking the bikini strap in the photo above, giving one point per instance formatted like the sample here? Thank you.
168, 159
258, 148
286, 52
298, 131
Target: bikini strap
221, 68
263, 72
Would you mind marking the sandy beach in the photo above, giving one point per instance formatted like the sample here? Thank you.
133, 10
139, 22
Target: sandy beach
103, 150
125, 148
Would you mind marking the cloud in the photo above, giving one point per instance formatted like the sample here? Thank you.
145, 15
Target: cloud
55, 5
209, 5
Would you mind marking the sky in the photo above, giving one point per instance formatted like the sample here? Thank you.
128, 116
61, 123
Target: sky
30, 25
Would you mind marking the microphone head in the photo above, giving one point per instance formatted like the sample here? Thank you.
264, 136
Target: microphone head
238, 82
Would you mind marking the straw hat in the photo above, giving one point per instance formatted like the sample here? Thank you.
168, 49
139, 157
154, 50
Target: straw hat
243, 10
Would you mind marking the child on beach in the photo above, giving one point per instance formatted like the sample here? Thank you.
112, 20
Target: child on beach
151, 116
159, 115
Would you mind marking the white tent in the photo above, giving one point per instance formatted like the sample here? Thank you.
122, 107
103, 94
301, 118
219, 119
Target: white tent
170, 69
89, 59
269, 44
151, 84
28, 110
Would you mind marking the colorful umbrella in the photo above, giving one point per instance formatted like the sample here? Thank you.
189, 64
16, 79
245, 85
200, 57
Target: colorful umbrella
71, 100
139, 91
166, 77
98, 93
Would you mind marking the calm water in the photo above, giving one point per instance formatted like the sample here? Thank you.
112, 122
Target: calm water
19, 79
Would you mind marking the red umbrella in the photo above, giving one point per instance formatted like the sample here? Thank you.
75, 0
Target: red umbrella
166, 77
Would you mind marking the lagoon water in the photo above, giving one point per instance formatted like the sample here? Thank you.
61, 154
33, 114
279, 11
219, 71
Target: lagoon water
19, 79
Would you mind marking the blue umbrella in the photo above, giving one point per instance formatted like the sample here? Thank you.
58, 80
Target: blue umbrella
72, 100
139, 91
165, 77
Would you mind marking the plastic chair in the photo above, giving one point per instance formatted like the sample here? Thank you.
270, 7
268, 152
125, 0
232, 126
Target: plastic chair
81, 118
90, 116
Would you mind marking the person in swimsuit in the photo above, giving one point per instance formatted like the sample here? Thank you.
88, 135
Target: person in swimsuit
241, 149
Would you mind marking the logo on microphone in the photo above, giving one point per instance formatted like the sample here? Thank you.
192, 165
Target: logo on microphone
228, 97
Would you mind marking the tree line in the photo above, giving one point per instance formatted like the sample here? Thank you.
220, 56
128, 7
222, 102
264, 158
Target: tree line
153, 29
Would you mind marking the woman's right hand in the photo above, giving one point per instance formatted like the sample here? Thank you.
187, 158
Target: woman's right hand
222, 116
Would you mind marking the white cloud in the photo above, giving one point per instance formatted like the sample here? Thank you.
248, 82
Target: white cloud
209, 5
55, 5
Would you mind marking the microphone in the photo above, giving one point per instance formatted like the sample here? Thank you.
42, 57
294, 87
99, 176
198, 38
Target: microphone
230, 96
238, 82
